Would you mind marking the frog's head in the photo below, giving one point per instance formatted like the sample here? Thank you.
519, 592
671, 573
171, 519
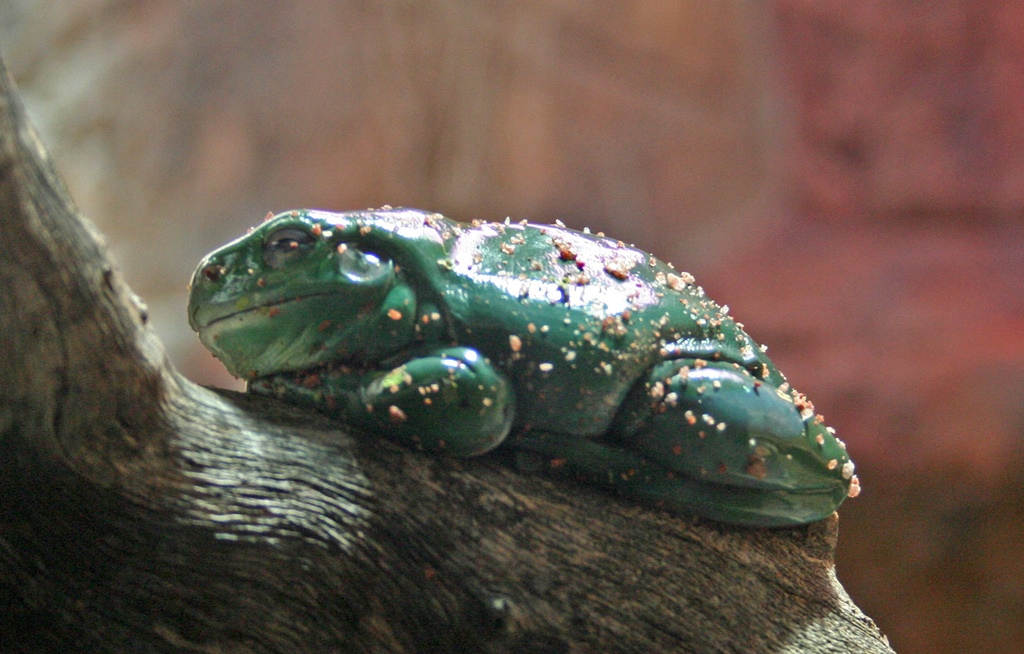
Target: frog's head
304, 289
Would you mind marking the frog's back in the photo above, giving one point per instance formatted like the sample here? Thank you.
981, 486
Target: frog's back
574, 319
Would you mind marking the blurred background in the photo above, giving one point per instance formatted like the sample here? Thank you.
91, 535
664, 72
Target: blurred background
847, 177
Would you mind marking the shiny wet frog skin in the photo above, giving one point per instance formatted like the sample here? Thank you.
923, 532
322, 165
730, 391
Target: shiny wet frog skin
589, 358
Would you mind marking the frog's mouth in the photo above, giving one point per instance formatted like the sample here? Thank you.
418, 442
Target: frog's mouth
275, 336
207, 316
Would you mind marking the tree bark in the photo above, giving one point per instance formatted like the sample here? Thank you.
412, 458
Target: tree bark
141, 512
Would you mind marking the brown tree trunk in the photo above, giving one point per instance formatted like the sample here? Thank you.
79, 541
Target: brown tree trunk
140, 512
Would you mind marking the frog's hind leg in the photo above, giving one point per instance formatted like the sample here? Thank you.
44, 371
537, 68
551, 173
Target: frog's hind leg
632, 475
710, 439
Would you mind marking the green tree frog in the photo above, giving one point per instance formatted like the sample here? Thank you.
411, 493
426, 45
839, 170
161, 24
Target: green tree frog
587, 357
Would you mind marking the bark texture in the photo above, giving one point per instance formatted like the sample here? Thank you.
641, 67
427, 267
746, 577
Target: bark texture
140, 512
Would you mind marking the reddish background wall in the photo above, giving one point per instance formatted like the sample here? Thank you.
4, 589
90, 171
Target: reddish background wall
907, 182
848, 177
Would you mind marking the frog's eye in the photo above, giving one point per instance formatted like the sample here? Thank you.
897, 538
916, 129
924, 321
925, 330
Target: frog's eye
282, 244
362, 267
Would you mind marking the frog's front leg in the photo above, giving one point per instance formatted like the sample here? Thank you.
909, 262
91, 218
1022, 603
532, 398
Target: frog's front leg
450, 400
710, 439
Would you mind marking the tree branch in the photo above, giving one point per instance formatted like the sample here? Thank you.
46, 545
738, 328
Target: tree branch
140, 512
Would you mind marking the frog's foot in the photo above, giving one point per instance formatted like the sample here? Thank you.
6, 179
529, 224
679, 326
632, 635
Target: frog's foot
631, 475
710, 439
450, 401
